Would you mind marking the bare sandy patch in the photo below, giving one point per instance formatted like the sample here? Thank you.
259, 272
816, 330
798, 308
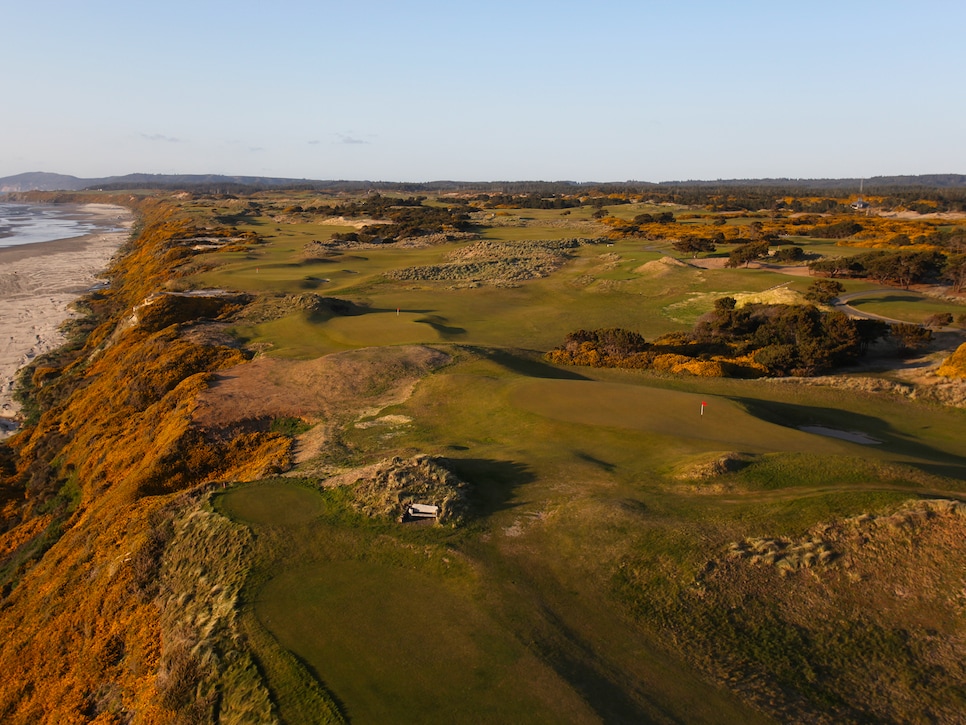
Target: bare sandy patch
708, 263
355, 223
853, 436
327, 391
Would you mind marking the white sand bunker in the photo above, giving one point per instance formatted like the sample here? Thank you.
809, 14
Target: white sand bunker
853, 436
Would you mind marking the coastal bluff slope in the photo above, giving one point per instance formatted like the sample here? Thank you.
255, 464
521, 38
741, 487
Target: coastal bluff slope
92, 485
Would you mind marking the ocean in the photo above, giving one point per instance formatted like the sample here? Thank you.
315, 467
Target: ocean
33, 223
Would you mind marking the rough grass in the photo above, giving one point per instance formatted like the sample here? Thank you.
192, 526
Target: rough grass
786, 620
205, 666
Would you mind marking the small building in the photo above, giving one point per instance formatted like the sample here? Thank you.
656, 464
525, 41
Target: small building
422, 511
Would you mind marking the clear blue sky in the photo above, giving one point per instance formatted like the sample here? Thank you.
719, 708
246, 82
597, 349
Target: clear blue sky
419, 91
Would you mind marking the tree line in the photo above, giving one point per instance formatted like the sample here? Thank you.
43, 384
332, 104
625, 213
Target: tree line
903, 267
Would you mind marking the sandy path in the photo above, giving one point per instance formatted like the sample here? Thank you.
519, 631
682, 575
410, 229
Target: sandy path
37, 283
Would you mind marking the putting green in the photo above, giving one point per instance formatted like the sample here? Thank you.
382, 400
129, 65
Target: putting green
272, 504
299, 336
656, 410
380, 328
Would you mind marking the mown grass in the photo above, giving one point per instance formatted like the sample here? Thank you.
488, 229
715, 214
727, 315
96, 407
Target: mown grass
906, 306
592, 290
391, 624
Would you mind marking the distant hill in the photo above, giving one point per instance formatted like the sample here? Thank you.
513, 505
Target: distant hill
42, 181
220, 183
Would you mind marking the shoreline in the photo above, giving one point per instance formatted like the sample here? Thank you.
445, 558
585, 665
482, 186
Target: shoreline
38, 283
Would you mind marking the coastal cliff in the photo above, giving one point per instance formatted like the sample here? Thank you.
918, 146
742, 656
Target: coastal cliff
91, 486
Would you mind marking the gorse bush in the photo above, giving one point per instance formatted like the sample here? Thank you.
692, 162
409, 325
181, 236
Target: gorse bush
749, 341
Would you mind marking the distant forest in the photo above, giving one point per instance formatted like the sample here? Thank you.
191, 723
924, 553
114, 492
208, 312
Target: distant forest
923, 194
948, 190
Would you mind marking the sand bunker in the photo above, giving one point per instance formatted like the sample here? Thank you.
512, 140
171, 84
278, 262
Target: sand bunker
853, 436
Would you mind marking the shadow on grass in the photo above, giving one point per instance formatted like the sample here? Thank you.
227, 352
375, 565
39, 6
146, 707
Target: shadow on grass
328, 307
445, 331
610, 693
594, 461
312, 282
931, 460
329, 693
898, 296
525, 363
493, 482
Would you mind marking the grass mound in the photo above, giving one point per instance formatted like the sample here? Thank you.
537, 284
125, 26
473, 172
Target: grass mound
660, 267
203, 670
785, 619
717, 466
497, 264
387, 489
170, 308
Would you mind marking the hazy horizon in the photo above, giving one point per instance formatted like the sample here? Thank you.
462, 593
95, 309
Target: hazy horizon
536, 91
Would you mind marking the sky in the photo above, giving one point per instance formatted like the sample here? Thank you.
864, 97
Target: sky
526, 90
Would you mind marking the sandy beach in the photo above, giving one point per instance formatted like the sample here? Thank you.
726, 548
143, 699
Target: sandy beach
38, 282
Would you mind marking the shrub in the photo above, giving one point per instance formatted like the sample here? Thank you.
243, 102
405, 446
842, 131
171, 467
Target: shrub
939, 320
954, 366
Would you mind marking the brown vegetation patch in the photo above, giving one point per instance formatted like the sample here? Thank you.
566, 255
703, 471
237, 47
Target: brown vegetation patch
720, 465
660, 267
328, 389
498, 264
931, 388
